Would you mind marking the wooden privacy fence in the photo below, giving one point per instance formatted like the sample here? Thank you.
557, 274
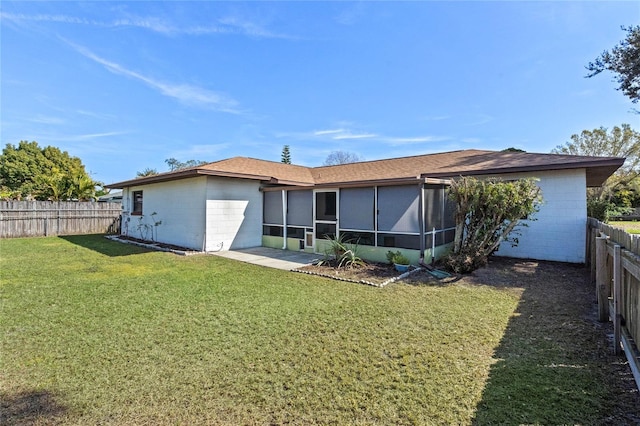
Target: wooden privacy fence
614, 257
44, 218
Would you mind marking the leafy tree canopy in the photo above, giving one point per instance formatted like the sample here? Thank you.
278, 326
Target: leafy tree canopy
619, 142
487, 213
175, 164
146, 172
28, 171
341, 157
624, 61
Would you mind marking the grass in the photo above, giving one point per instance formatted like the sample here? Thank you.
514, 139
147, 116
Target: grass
631, 226
95, 332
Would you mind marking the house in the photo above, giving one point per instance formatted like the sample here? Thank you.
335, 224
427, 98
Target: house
397, 203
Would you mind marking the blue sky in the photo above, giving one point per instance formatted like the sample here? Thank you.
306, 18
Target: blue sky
125, 86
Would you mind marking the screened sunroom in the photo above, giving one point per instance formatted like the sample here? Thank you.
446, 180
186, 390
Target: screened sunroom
416, 219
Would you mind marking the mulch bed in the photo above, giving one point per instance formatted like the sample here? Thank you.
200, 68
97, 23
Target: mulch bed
153, 244
372, 273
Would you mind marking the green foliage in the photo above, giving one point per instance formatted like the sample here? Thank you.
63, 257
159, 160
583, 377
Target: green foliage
147, 172
598, 208
624, 61
621, 141
487, 212
30, 172
342, 254
397, 258
175, 164
286, 155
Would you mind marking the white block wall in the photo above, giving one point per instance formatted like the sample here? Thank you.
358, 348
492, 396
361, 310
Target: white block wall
559, 232
179, 204
233, 214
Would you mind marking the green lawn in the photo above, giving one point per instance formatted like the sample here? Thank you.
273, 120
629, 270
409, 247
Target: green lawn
631, 226
97, 332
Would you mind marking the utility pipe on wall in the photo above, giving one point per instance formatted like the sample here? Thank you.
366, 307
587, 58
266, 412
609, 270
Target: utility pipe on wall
284, 219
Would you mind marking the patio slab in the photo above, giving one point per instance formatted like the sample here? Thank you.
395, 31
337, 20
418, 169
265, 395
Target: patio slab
270, 257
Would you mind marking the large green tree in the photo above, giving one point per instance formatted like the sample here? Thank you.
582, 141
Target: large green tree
623, 61
28, 171
620, 141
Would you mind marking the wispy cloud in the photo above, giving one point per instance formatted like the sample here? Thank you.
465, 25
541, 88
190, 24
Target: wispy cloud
480, 119
395, 141
344, 133
43, 119
83, 137
185, 93
231, 25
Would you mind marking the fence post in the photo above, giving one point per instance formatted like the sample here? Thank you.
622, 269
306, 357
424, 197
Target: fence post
602, 286
617, 294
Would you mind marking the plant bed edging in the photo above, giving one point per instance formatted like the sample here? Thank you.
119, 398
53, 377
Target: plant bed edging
152, 246
366, 282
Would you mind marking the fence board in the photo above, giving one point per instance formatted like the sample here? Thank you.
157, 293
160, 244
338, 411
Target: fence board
44, 218
626, 299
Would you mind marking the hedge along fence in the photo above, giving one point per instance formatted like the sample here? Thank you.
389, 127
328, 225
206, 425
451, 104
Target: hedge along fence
615, 269
44, 218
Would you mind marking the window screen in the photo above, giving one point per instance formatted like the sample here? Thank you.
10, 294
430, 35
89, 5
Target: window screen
398, 208
272, 210
433, 208
137, 202
326, 206
356, 208
300, 208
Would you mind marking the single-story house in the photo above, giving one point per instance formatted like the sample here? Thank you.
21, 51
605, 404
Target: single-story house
392, 204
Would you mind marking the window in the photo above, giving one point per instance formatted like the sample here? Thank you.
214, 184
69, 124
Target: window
137, 202
326, 206
398, 209
356, 208
300, 208
272, 208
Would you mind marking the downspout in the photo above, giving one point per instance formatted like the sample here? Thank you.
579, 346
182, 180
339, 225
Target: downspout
284, 219
421, 219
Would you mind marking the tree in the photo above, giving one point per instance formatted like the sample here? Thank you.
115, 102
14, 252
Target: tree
175, 164
28, 171
146, 172
624, 61
341, 157
286, 155
619, 142
487, 213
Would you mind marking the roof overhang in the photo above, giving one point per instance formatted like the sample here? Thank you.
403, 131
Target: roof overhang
597, 171
191, 173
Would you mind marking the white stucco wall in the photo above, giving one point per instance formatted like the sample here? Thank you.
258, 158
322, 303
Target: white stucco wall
179, 204
233, 214
559, 232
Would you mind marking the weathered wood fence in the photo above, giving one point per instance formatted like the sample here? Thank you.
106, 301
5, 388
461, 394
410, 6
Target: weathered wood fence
44, 218
614, 259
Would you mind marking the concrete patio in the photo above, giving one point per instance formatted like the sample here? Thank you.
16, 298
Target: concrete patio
270, 257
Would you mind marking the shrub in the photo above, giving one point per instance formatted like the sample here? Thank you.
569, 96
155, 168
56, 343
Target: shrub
397, 258
343, 255
487, 212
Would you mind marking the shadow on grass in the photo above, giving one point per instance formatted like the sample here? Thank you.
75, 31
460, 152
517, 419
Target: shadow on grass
29, 408
553, 364
102, 245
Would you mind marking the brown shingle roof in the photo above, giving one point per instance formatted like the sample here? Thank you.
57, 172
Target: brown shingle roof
446, 164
